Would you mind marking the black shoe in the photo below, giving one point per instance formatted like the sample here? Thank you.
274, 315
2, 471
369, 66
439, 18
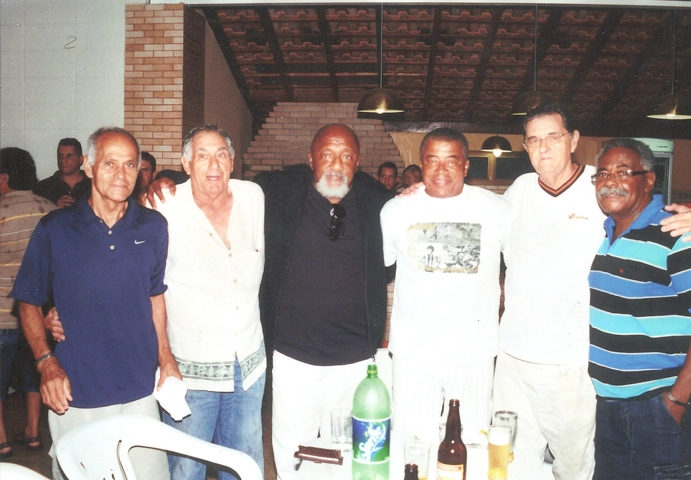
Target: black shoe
6, 454
21, 439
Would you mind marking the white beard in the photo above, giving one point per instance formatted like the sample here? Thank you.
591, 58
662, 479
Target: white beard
332, 192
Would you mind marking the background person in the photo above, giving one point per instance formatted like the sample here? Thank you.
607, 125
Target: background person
147, 172
387, 174
21, 210
69, 183
412, 174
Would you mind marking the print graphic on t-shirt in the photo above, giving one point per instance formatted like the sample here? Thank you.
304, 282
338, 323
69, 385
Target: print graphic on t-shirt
445, 247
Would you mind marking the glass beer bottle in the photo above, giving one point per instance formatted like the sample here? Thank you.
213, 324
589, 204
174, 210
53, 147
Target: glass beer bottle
452, 456
410, 472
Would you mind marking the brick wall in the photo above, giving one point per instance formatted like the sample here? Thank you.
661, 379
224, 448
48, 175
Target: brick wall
286, 136
164, 57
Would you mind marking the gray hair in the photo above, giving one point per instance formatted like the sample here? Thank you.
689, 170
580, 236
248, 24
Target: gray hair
92, 150
645, 155
187, 141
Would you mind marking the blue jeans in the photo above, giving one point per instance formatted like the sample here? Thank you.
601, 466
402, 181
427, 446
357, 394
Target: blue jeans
639, 439
9, 339
231, 419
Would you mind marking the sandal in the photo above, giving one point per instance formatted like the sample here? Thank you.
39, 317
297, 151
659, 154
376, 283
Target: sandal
21, 439
6, 454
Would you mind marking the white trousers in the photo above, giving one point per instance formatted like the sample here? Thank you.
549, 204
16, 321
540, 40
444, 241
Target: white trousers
556, 407
148, 463
422, 390
303, 397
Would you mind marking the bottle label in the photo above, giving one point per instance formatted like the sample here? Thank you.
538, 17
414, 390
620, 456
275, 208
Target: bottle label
371, 440
449, 472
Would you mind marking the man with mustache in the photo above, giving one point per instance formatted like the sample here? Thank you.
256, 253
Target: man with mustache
640, 325
323, 294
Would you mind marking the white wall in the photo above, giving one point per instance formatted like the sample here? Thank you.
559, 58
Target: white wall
62, 72
223, 102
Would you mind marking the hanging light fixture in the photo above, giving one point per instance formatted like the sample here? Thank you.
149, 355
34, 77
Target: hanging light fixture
497, 145
527, 101
380, 100
672, 106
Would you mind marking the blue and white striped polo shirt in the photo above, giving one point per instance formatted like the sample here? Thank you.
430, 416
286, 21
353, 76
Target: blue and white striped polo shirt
640, 296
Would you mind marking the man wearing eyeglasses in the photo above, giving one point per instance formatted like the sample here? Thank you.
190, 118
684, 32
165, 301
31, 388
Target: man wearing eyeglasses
640, 325
323, 293
541, 370
446, 240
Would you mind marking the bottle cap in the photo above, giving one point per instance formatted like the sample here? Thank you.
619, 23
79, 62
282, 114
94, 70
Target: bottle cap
372, 369
411, 468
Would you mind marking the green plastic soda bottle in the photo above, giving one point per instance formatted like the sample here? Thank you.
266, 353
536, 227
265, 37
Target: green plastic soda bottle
371, 428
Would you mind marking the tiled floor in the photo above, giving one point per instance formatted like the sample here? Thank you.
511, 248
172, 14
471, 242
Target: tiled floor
41, 461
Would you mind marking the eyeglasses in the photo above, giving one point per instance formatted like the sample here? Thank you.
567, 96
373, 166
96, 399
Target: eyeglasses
621, 175
551, 139
337, 227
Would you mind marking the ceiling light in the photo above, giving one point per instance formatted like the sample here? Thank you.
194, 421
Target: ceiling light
671, 106
527, 101
380, 100
497, 145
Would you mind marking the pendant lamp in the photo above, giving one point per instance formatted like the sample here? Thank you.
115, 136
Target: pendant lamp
497, 145
671, 106
527, 101
380, 100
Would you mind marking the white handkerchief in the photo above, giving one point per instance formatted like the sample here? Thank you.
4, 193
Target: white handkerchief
171, 396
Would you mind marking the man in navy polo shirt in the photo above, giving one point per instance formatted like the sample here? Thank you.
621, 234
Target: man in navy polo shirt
103, 261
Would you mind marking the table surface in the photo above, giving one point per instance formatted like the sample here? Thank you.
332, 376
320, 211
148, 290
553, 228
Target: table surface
476, 467
477, 463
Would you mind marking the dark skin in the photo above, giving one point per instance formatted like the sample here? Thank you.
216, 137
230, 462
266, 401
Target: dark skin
624, 209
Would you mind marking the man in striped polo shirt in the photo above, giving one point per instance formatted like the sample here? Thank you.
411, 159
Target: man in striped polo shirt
640, 325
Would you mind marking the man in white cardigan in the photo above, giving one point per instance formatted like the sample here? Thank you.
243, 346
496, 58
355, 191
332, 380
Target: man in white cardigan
214, 267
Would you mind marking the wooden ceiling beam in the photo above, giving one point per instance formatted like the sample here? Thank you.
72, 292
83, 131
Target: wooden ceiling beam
591, 56
630, 77
436, 27
272, 38
484, 62
325, 32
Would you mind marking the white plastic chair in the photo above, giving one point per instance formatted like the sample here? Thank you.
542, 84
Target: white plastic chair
98, 450
12, 471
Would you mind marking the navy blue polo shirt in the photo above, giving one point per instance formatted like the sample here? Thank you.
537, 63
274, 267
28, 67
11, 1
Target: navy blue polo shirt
101, 280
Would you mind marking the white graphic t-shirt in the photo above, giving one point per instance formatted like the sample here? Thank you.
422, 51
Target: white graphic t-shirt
447, 252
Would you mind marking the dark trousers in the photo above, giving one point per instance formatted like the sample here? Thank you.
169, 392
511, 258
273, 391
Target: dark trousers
639, 439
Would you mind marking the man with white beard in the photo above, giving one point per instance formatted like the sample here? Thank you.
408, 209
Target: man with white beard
323, 293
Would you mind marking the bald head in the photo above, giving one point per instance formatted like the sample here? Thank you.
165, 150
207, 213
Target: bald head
334, 157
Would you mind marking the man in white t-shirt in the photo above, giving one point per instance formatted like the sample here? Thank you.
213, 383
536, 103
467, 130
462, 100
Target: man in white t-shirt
446, 241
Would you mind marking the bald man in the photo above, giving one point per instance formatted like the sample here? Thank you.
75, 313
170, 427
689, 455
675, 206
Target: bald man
323, 294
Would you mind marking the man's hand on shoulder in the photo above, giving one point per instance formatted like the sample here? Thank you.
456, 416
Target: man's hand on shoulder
678, 224
156, 187
411, 190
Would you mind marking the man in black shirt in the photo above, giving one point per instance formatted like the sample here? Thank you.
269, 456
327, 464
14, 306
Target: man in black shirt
69, 183
323, 293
